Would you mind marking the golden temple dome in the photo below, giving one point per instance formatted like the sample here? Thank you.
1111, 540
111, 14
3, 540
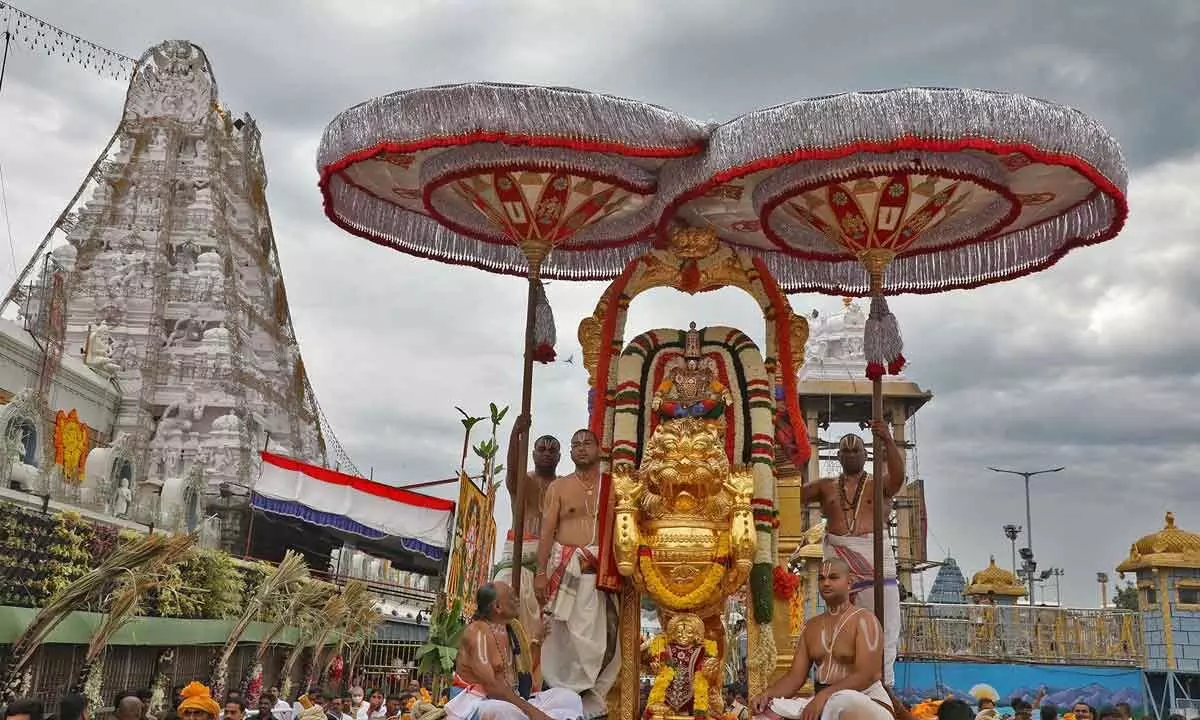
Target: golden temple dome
996, 580
1169, 547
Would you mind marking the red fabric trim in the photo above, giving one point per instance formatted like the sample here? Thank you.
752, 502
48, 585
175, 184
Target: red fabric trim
607, 577
333, 477
902, 144
783, 348
518, 139
613, 295
502, 239
980, 235
545, 141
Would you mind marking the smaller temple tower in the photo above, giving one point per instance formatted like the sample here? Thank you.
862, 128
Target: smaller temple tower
995, 585
949, 586
1166, 565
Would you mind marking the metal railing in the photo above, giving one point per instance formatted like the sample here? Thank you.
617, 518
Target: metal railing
1052, 635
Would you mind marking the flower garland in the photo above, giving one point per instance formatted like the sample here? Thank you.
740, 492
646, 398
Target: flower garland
785, 583
761, 580
666, 675
711, 583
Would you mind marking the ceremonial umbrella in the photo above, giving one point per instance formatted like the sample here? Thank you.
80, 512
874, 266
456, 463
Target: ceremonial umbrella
531, 181
918, 190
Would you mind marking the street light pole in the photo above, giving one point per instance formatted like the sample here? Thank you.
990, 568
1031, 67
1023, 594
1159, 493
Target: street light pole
1028, 508
1058, 573
1012, 532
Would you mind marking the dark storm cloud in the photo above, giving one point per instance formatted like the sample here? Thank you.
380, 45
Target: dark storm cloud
1091, 365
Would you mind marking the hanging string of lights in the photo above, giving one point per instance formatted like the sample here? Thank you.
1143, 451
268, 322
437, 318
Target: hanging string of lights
37, 35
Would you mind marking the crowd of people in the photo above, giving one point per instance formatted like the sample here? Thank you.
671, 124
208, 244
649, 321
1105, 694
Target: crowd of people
1021, 709
195, 702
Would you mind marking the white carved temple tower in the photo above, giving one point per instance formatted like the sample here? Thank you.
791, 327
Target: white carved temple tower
163, 278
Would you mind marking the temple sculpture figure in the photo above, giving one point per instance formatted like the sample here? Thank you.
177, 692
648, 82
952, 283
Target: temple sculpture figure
684, 531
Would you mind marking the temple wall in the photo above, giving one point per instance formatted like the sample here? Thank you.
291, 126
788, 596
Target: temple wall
76, 386
1156, 646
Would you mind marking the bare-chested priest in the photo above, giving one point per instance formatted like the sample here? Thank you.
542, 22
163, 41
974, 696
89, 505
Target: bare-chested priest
580, 648
845, 643
847, 502
546, 454
485, 669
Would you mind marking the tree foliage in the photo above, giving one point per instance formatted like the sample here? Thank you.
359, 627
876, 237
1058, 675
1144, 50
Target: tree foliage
1126, 597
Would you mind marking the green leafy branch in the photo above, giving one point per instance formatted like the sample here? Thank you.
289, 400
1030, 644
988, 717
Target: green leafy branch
487, 450
437, 656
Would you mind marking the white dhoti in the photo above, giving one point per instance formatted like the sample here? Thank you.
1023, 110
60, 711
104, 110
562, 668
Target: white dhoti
473, 704
872, 703
858, 552
580, 651
529, 612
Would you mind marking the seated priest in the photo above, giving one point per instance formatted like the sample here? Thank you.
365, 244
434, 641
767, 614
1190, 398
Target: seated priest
845, 644
486, 668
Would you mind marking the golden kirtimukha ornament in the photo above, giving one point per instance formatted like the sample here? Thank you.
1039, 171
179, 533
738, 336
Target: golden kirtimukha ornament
684, 534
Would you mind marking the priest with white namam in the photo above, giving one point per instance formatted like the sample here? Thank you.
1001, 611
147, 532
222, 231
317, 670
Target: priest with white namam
486, 669
848, 504
579, 651
845, 643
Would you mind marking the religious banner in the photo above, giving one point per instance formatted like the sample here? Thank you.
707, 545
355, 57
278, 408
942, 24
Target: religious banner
70, 445
470, 558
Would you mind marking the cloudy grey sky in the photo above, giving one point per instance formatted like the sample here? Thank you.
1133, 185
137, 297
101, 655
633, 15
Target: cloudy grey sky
1090, 365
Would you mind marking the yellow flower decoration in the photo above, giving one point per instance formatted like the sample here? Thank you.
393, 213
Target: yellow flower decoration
690, 601
699, 694
658, 690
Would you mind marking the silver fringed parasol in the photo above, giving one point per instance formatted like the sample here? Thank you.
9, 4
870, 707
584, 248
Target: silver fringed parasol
540, 182
918, 190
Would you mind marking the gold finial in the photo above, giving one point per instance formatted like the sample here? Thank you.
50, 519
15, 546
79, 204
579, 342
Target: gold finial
1170, 521
691, 343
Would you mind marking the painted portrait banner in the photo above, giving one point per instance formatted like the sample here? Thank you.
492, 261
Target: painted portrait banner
474, 539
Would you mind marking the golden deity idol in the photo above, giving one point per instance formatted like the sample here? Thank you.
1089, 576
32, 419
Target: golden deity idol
684, 529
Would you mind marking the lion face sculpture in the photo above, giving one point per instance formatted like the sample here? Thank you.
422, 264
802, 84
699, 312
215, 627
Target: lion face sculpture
684, 462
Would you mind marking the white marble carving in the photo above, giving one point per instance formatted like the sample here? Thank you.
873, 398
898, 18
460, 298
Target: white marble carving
174, 82
99, 351
168, 290
122, 498
23, 439
835, 345
179, 416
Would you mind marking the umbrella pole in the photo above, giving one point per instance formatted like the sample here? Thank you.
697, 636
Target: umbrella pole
878, 499
876, 262
522, 469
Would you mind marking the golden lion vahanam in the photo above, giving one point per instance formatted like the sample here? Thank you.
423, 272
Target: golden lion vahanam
684, 529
